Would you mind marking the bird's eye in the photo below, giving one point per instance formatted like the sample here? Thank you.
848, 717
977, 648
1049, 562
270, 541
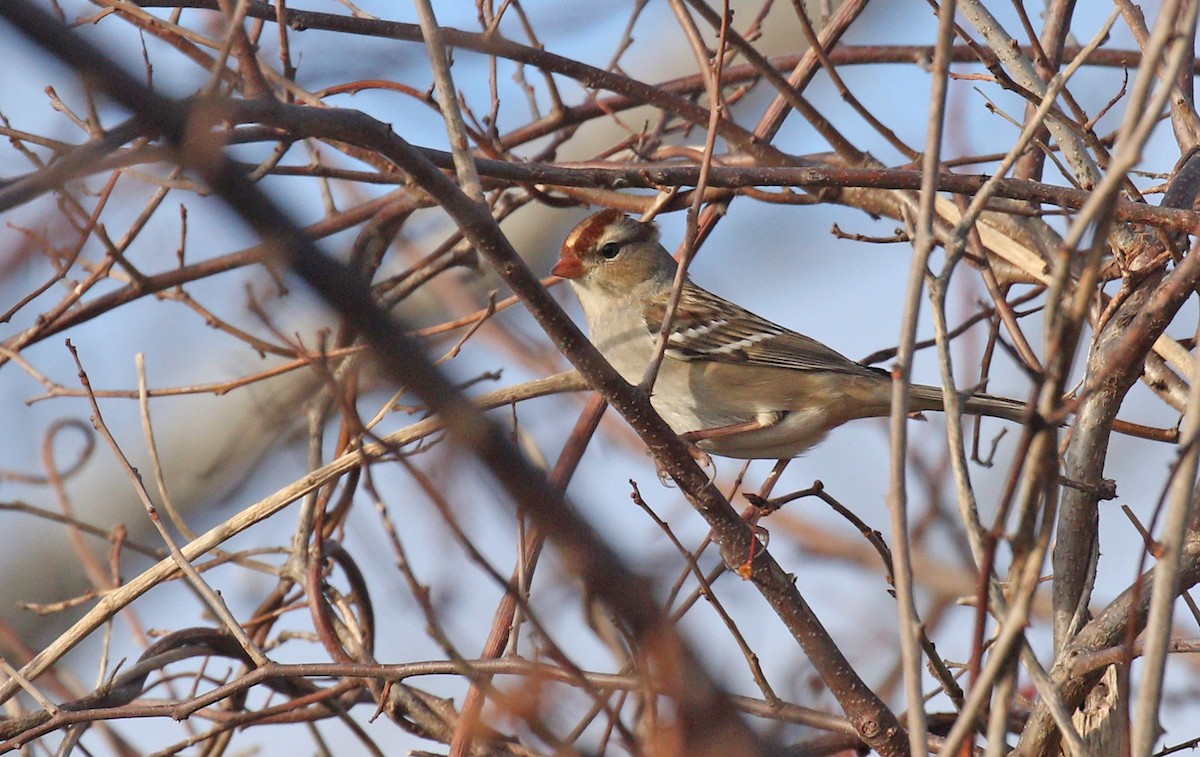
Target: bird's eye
610, 250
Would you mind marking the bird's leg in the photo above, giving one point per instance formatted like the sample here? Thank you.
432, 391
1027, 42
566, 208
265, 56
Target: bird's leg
761, 421
702, 458
757, 423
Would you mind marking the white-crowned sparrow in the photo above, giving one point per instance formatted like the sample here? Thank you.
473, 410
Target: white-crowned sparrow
731, 382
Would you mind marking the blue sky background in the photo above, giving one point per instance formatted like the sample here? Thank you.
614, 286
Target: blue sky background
781, 261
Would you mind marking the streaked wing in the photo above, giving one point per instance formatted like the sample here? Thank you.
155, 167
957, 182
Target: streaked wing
706, 327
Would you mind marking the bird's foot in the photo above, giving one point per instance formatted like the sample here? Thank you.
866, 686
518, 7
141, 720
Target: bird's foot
702, 458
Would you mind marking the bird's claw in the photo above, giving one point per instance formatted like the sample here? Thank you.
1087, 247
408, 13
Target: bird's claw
702, 458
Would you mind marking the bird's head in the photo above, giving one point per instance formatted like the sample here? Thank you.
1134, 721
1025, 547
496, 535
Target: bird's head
610, 250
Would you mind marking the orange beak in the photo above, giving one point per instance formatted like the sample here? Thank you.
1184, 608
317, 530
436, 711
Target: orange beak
568, 267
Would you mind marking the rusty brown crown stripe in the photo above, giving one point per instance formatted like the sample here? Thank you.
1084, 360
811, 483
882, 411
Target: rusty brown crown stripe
586, 236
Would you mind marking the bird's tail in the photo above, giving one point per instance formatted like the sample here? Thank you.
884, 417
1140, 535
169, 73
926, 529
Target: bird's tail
931, 398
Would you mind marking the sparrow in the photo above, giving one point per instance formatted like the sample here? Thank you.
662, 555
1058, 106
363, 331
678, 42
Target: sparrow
731, 382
